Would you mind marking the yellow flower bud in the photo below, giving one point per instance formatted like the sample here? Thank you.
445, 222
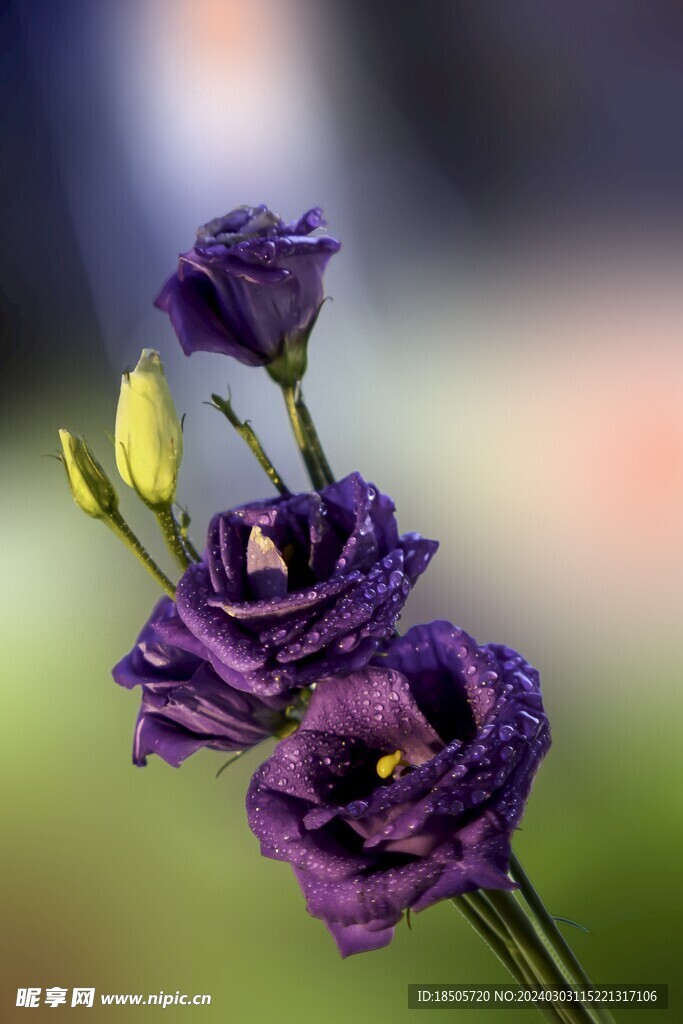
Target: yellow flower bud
149, 439
91, 488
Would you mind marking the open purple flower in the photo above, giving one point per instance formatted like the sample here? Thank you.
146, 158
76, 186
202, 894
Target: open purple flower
185, 704
404, 782
300, 587
251, 288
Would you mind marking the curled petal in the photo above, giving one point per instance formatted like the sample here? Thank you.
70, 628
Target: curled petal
185, 703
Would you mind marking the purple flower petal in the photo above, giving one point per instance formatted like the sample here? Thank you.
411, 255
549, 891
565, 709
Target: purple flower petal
356, 938
462, 729
301, 587
251, 287
185, 704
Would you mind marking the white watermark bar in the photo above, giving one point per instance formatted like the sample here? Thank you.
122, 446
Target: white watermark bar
55, 996
513, 997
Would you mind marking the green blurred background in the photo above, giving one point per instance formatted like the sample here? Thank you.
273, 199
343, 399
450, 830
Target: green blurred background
506, 365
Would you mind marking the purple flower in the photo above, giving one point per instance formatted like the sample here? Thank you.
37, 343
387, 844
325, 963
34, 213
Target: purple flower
185, 704
404, 782
300, 587
251, 288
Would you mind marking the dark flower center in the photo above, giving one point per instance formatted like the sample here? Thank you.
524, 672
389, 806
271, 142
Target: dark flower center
443, 701
358, 780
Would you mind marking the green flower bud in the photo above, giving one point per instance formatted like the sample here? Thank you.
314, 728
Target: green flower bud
149, 439
90, 486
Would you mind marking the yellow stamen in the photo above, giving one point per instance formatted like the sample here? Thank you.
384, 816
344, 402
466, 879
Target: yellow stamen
386, 764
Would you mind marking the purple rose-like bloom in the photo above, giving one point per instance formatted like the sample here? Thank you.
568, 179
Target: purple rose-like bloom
471, 730
251, 287
185, 704
300, 587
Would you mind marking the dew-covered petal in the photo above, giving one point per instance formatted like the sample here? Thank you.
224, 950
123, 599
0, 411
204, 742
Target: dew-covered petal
299, 587
220, 633
310, 597
350, 502
417, 554
352, 614
324, 540
249, 286
173, 632
454, 680
376, 707
278, 795
465, 740
237, 275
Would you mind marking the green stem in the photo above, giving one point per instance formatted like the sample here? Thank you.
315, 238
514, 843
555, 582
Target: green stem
469, 911
249, 437
517, 952
172, 535
470, 906
293, 402
118, 525
182, 522
479, 901
553, 937
314, 440
190, 548
544, 966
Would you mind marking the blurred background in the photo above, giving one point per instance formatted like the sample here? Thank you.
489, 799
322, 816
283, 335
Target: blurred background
503, 356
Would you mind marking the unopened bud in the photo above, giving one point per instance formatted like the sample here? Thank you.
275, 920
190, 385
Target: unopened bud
149, 438
90, 486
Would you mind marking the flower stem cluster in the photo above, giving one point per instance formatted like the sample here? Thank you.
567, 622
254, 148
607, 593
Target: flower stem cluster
403, 764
